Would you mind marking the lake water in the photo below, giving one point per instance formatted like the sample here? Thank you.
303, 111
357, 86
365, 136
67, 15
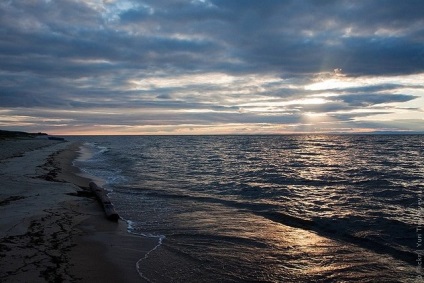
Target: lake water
295, 208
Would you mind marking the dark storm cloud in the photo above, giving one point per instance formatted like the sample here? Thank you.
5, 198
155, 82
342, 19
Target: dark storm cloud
293, 37
304, 36
375, 88
373, 99
81, 55
352, 116
148, 118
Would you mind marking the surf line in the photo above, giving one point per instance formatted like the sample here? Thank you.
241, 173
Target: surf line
146, 256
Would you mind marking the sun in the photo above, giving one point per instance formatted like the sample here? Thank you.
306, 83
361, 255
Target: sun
314, 115
329, 84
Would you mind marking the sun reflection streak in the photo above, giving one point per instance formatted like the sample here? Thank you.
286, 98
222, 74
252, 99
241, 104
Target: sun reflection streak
307, 255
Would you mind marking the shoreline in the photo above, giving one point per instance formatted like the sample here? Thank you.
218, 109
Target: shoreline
49, 233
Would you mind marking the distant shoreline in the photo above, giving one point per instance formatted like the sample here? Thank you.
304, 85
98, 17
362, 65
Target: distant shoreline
247, 135
20, 134
17, 134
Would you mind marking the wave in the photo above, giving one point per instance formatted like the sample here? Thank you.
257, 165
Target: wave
352, 229
131, 229
359, 192
221, 238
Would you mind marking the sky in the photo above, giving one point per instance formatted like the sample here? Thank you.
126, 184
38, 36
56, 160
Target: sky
124, 67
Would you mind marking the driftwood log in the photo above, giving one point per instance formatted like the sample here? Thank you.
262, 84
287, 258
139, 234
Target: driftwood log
104, 200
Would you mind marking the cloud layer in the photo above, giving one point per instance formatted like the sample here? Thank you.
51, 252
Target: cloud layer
123, 66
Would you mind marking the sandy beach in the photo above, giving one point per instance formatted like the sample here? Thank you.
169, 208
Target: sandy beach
48, 233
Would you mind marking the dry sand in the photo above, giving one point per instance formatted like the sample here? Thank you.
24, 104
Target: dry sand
50, 234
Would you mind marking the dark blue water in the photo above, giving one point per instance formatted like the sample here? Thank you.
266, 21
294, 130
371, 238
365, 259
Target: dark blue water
303, 208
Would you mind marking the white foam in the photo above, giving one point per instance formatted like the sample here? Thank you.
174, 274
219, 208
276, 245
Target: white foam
137, 265
130, 229
85, 152
102, 149
130, 226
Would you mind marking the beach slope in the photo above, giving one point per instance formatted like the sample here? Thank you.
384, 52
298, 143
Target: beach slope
50, 234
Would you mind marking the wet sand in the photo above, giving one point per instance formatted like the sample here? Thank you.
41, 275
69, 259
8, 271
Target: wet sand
50, 234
